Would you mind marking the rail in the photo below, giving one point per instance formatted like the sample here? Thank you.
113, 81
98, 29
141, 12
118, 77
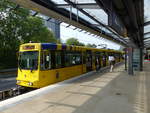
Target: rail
8, 93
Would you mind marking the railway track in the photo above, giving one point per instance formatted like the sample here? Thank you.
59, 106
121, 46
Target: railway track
8, 93
12, 92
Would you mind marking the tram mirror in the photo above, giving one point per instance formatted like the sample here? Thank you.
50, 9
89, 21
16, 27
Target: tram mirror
17, 54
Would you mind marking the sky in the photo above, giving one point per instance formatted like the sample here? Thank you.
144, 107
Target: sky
147, 18
85, 38
147, 14
147, 9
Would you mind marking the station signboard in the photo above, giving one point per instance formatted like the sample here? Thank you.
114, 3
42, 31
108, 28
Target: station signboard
136, 59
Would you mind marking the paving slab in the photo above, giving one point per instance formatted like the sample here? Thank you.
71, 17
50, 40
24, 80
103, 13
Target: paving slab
114, 92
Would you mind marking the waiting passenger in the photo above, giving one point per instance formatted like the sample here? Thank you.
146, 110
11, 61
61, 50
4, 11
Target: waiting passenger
111, 59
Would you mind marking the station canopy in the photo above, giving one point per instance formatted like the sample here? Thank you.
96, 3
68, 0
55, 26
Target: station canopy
92, 13
147, 24
110, 19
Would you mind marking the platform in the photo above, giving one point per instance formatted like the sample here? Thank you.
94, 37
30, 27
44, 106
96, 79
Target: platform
115, 92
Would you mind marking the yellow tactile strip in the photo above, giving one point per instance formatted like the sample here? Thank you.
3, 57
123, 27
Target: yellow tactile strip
141, 97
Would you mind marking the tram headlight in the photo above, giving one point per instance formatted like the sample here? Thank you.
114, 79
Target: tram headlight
18, 81
30, 84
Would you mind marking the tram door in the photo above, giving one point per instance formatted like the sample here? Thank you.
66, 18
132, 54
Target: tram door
88, 61
104, 58
98, 61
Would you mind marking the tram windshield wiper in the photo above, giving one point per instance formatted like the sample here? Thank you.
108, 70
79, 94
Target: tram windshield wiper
19, 66
32, 67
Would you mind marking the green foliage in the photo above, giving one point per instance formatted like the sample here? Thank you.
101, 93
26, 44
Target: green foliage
16, 27
91, 45
35, 31
74, 41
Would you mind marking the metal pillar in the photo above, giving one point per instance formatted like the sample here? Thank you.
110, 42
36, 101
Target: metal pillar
141, 59
130, 61
125, 58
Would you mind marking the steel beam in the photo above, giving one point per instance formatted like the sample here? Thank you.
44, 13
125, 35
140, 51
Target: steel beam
35, 14
125, 58
147, 23
49, 19
146, 33
146, 38
81, 5
141, 59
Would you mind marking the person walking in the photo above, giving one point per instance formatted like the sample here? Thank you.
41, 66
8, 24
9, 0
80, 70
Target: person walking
111, 59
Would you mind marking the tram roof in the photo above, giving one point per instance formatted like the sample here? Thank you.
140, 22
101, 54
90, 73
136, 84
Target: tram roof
54, 46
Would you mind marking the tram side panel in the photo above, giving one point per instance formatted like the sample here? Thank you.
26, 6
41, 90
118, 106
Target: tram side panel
66, 65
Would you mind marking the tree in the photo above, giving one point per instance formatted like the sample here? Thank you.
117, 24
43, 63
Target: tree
91, 45
16, 27
36, 31
74, 41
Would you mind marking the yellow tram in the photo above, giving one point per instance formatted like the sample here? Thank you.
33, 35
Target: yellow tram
42, 64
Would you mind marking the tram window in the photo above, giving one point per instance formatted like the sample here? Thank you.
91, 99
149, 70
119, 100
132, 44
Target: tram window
103, 56
106, 55
117, 56
58, 59
28, 60
45, 60
110, 54
78, 58
68, 59
72, 58
84, 58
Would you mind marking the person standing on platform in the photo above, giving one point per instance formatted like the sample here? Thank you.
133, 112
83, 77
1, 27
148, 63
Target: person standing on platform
111, 59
